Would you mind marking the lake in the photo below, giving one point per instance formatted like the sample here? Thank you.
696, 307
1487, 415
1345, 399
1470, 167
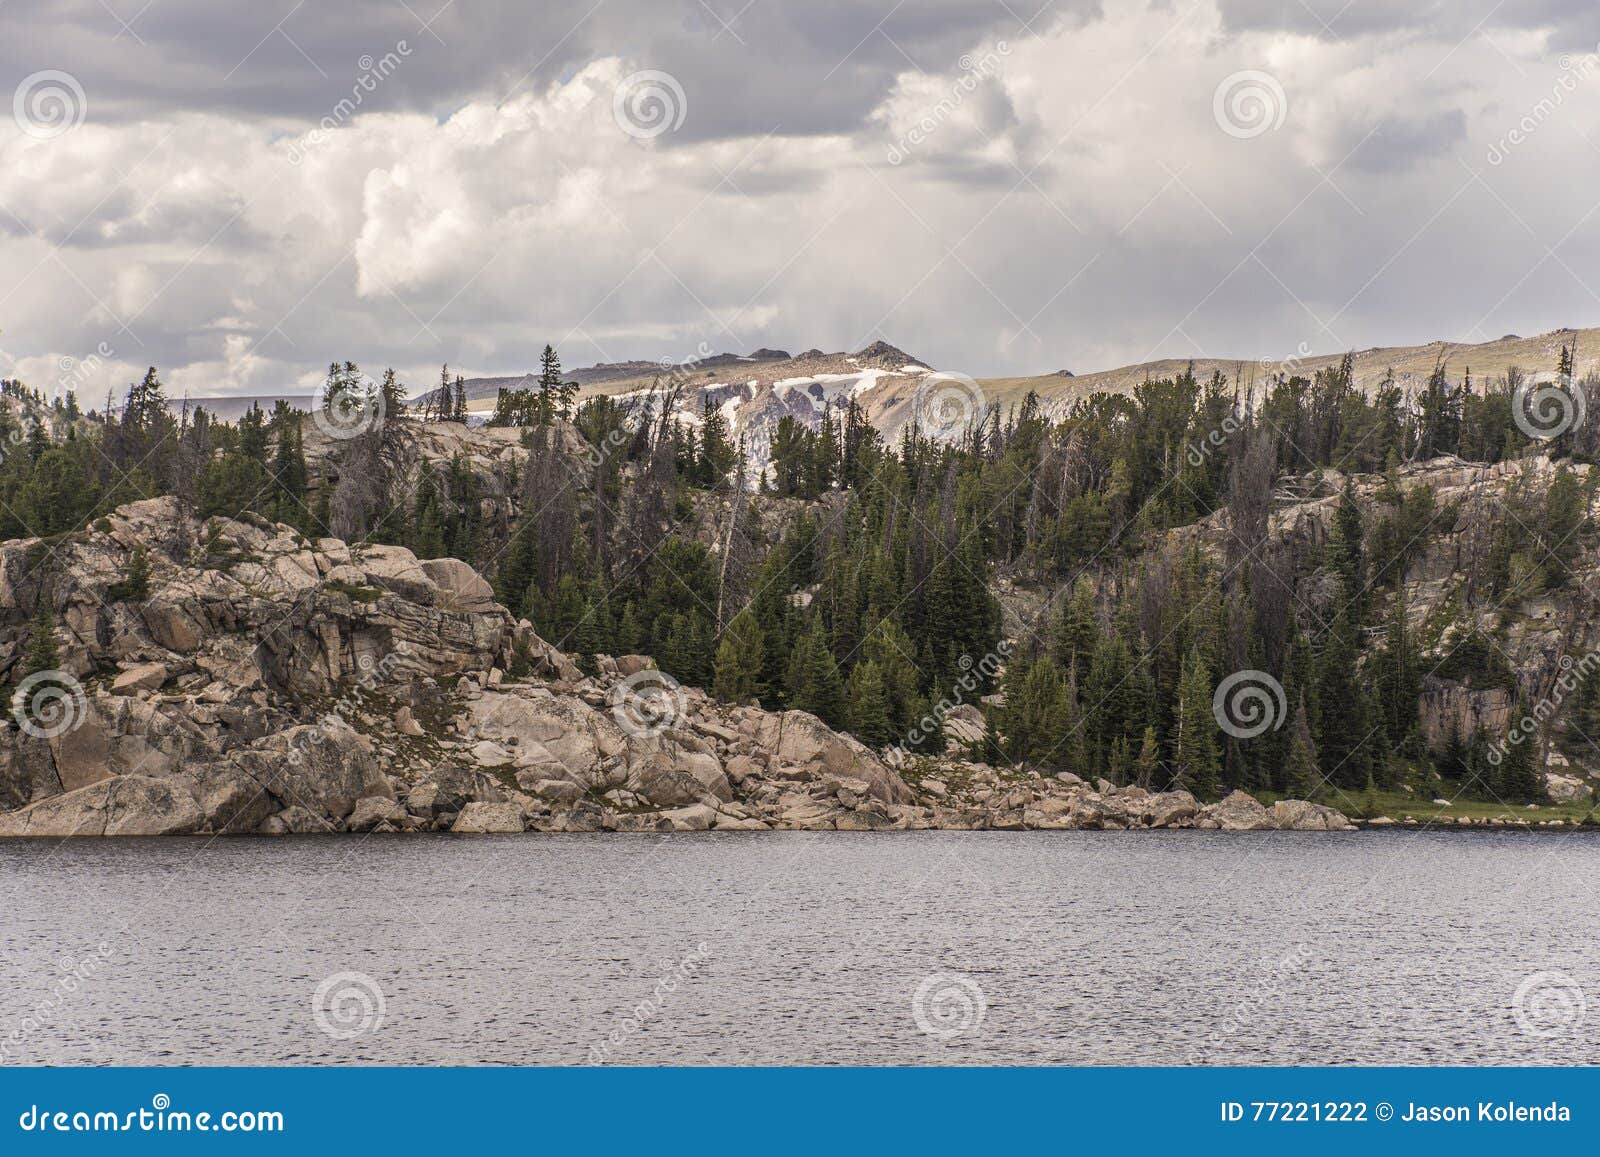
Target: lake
1181, 947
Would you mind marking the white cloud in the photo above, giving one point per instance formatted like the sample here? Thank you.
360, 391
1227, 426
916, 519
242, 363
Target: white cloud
241, 256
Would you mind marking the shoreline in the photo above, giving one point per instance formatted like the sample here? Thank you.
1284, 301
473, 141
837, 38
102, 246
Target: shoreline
1445, 828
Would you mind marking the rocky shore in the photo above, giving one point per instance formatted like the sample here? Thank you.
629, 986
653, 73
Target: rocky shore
263, 682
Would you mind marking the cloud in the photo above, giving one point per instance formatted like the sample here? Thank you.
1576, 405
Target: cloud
992, 196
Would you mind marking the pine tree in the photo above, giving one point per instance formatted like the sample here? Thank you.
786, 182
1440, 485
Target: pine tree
518, 566
392, 394
813, 681
440, 402
1345, 552
888, 646
1396, 680
1478, 772
1196, 761
42, 655
740, 656
593, 632
629, 635
1344, 728
717, 454
685, 651
426, 538
1149, 760
253, 434
1112, 707
550, 391
1117, 761
1518, 779
1077, 631
289, 468
515, 408
146, 404
1565, 511
868, 706
134, 586
1302, 777
1040, 721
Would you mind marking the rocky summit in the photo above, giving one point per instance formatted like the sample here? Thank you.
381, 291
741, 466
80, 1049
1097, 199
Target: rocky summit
256, 680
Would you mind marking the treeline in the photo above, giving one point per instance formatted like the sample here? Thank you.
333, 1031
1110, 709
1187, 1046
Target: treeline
63, 467
861, 589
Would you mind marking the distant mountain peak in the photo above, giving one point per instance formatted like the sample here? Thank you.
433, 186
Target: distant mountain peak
886, 355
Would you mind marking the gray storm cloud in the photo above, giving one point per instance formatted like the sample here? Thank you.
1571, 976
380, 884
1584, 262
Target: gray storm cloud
242, 193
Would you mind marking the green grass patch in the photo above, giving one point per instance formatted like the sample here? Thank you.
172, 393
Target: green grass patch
354, 592
1420, 807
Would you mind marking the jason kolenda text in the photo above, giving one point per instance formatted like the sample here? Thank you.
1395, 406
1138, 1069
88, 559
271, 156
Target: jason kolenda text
1484, 1111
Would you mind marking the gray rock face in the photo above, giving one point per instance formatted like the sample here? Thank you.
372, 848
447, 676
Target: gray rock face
323, 769
482, 818
293, 821
374, 810
124, 805
1168, 809
1296, 815
557, 790
797, 739
1238, 812
140, 677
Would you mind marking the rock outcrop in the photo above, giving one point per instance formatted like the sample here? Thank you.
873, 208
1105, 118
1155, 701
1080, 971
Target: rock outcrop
263, 682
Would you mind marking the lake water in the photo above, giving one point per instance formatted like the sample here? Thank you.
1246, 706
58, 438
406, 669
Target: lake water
1403, 947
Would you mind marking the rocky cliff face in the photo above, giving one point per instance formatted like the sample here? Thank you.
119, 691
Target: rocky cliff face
260, 682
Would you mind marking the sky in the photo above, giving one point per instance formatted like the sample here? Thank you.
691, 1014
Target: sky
239, 193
